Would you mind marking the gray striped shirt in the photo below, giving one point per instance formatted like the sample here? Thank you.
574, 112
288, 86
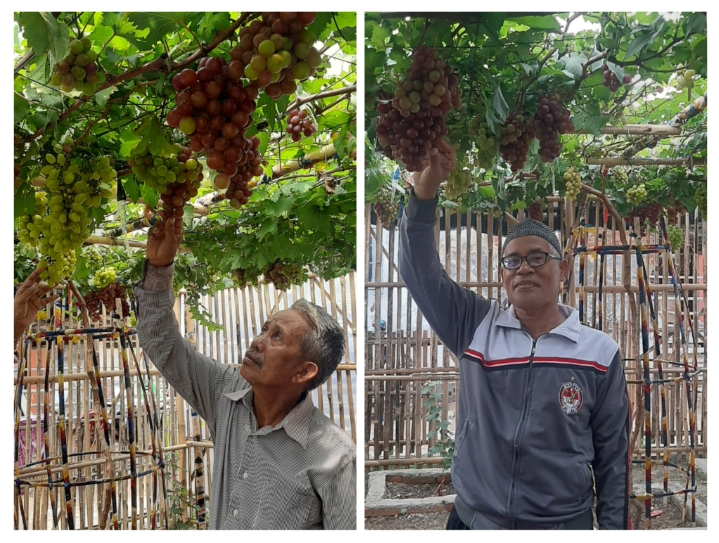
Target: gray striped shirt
301, 474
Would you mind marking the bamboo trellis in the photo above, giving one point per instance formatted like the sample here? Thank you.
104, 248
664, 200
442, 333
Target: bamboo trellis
402, 353
105, 490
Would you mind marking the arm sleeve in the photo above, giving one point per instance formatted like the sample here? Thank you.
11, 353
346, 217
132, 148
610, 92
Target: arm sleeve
197, 378
453, 312
339, 498
610, 433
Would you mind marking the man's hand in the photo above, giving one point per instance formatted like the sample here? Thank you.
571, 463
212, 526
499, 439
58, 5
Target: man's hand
437, 168
162, 242
29, 299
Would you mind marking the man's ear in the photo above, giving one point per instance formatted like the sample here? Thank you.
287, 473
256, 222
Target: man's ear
305, 373
563, 270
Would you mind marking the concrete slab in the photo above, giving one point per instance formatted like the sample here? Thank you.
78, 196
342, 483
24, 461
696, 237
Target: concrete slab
377, 505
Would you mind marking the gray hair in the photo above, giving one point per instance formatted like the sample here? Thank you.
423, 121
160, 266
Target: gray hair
324, 344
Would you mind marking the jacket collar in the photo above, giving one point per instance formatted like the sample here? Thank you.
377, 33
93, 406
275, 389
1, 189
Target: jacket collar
570, 328
297, 422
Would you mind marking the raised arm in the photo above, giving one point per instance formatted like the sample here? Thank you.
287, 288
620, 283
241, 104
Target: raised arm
453, 312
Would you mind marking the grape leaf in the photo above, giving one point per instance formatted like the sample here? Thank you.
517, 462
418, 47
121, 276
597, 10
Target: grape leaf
544, 22
132, 188
149, 195
151, 132
573, 64
499, 104
101, 34
159, 23
21, 107
45, 35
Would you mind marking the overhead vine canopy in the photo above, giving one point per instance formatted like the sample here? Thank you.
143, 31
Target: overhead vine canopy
546, 101
241, 124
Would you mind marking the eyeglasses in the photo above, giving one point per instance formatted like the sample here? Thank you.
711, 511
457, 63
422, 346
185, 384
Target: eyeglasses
534, 260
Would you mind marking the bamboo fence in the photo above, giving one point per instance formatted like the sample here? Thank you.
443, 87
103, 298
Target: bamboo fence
58, 416
402, 354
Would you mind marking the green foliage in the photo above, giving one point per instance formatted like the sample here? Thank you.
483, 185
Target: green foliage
506, 61
444, 446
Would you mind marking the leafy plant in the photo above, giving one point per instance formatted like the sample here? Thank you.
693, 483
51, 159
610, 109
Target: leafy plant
178, 502
444, 446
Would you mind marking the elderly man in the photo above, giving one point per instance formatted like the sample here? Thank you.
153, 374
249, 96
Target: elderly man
279, 462
543, 413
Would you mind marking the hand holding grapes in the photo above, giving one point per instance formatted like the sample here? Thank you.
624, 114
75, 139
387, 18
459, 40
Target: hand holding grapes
29, 298
438, 166
163, 241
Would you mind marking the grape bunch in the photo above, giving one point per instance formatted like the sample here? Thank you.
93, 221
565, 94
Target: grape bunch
386, 207
573, 183
458, 182
676, 237
620, 175
685, 81
649, 213
551, 120
637, 194
284, 274
244, 279
535, 210
239, 186
700, 198
486, 142
106, 296
79, 70
61, 222
215, 112
611, 81
674, 210
515, 138
178, 193
276, 52
17, 181
158, 171
103, 277
298, 124
409, 125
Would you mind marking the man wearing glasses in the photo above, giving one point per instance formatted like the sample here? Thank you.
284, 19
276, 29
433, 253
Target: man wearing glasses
543, 416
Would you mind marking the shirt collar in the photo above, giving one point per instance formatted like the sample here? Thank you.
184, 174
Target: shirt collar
570, 328
297, 422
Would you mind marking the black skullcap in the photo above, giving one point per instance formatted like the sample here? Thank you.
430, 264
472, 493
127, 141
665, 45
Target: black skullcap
530, 227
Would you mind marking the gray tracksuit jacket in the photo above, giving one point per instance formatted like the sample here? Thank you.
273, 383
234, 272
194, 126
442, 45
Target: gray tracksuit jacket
533, 415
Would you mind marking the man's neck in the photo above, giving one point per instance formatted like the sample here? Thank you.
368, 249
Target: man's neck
539, 321
271, 407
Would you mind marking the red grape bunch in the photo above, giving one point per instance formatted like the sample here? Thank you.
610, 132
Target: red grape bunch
649, 213
276, 51
78, 70
298, 124
535, 210
515, 138
106, 296
239, 187
675, 209
410, 124
178, 193
551, 120
611, 81
215, 112
386, 207
284, 274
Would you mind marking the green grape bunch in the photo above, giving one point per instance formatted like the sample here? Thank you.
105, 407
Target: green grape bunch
700, 198
158, 172
573, 182
620, 175
79, 70
103, 277
386, 207
458, 183
685, 81
486, 142
284, 274
637, 194
676, 237
61, 222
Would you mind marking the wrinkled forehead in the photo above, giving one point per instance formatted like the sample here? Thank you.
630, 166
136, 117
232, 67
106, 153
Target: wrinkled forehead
527, 244
290, 319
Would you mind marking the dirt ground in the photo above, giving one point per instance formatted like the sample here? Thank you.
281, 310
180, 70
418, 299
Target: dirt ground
667, 516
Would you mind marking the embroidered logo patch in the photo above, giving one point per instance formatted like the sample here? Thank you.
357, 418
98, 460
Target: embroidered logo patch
570, 397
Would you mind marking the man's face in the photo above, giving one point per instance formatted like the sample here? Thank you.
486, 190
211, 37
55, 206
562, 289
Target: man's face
274, 357
527, 287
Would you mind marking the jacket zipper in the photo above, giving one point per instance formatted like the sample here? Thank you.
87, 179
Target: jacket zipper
519, 430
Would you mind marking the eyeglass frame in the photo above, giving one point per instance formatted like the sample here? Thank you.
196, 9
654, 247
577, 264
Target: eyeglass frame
526, 259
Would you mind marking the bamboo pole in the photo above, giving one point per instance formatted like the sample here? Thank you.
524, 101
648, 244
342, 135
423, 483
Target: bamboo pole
308, 160
688, 161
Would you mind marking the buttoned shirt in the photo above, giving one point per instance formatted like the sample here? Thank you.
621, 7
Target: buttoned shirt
300, 474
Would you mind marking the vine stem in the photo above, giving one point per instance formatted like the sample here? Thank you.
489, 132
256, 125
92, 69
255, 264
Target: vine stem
325, 94
90, 125
427, 23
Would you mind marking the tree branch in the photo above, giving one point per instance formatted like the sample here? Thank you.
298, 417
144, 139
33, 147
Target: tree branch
325, 94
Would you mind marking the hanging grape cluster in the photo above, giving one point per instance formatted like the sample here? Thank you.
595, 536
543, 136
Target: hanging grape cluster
284, 274
685, 81
637, 194
79, 70
458, 182
611, 81
486, 142
649, 213
239, 189
516, 136
676, 237
215, 112
535, 210
106, 296
700, 198
178, 193
103, 277
675, 209
386, 207
158, 171
620, 175
573, 184
61, 222
551, 120
409, 126
276, 52
298, 124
